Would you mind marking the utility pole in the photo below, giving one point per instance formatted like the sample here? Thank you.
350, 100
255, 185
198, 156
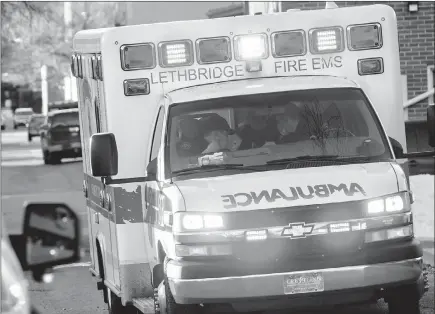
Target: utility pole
44, 89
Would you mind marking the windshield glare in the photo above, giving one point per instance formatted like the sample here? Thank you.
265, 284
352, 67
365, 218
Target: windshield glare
254, 129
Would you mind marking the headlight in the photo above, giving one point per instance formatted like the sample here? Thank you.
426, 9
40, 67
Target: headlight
390, 204
197, 221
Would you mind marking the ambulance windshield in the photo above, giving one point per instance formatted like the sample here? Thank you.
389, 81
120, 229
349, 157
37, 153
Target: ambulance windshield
256, 130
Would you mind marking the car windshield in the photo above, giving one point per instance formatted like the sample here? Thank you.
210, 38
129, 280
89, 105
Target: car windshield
23, 113
66, 118
263, 129
38, 119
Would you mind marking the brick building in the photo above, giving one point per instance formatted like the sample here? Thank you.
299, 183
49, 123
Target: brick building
415, 20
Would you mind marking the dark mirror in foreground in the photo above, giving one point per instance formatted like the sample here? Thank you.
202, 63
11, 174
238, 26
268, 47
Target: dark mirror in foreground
51, 234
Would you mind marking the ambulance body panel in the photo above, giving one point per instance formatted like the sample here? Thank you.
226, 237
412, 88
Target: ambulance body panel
136, 223
258, 86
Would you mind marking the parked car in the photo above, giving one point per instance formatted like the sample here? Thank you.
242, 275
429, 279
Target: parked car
60, 136
22, 117
34, 127
50, 237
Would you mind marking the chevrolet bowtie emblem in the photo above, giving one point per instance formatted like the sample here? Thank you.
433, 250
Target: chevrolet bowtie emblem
297, 230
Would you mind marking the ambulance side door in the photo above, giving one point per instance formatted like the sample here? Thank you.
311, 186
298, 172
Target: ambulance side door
153, 191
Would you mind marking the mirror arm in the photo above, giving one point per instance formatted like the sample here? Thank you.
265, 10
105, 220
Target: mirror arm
109, 180
18, 243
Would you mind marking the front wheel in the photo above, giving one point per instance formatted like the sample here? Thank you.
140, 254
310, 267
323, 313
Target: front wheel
174, 308
115, 305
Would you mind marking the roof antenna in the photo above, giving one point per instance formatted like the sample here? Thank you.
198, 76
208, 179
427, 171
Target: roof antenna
331, 5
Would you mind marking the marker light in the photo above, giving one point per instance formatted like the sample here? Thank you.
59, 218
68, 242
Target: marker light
136, 87
370, 66
254, 66
176, 53
94, 64
288, 44
389, 234
391, 204
251, 47
139, 56
326, 40
79, 66
367, 36
213, 50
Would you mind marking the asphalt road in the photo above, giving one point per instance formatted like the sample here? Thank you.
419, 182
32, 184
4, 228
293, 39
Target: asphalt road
24, 178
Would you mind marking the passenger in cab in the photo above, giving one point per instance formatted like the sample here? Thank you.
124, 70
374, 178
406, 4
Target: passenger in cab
257, 131
290, 126
217, 133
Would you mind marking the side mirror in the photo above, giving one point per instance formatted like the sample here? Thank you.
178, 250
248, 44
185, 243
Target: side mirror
431, 124
104, 155
397, 148
50, 237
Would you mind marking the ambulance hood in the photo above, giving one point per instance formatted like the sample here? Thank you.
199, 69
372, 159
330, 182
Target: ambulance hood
292, 187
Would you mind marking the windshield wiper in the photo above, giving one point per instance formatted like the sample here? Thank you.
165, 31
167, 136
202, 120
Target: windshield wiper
206, 168
303, 158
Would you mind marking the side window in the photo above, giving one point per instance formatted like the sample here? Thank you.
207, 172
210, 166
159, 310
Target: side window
157, 136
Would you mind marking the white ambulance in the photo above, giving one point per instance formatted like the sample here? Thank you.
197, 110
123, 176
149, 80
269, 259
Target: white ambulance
248, 163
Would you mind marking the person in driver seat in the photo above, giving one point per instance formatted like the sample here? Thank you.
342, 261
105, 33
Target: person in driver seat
190, 140
218, 134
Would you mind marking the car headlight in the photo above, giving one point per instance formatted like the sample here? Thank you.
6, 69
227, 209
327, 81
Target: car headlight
390, 204
197, 221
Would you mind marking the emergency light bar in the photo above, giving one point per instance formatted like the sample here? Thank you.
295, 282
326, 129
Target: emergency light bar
251, 47
326, 40
138, 56
366, 36
213, 50
176, 53
370, 66
288, 44
136, 87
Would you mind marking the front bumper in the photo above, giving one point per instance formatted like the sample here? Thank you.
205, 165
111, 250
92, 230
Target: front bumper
360, 274
234, 289
67, 147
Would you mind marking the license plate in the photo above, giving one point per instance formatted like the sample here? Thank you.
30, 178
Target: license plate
304, 283
74, 133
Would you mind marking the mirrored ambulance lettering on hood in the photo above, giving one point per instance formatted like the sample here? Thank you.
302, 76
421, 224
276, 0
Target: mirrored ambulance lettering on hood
310, 192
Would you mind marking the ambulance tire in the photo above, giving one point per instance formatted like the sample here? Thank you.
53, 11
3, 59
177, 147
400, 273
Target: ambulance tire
173, 308
115, 305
